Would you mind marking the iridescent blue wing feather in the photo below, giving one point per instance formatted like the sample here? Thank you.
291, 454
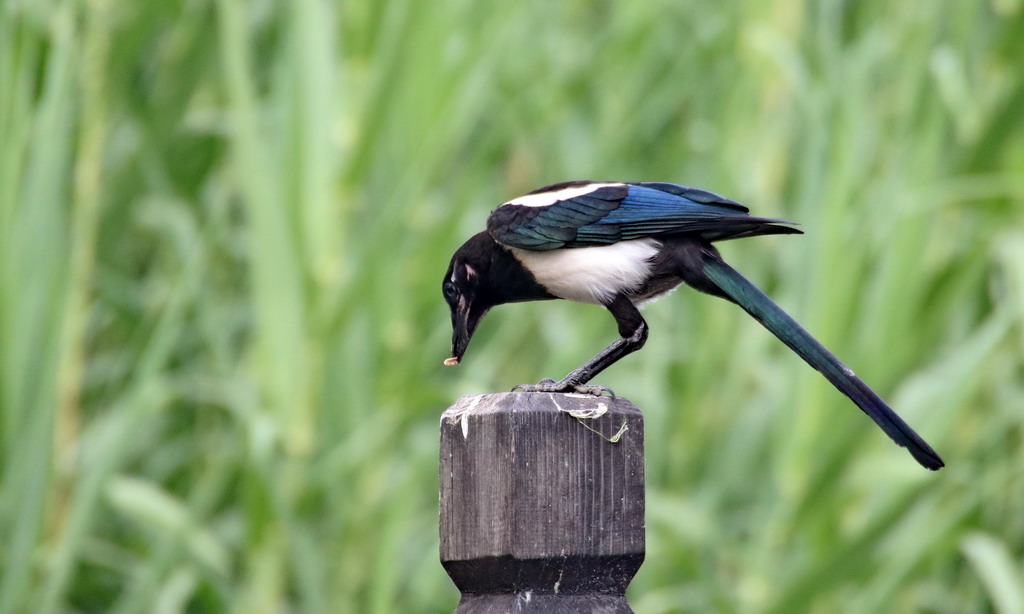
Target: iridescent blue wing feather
550, 218
587, 214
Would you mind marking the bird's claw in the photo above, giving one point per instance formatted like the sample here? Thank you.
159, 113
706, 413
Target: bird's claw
550, 385
543, 386
594, 390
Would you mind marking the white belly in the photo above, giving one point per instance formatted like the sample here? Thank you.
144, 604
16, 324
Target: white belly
591, 274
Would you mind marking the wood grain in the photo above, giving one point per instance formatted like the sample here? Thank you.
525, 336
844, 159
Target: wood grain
539, 511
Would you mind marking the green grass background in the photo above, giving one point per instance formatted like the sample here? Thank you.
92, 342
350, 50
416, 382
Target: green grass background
223, 227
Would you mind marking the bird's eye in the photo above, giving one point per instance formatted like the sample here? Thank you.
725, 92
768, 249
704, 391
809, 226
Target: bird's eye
449, 290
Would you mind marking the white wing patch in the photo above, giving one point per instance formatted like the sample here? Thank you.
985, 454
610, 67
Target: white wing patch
543, 199
591, 274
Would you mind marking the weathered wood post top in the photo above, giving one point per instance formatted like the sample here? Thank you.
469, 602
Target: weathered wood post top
542, 501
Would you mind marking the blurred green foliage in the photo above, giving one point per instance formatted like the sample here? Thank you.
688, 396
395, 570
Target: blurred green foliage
223, 227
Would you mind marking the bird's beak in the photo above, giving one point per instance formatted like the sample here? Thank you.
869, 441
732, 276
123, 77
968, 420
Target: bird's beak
464, 322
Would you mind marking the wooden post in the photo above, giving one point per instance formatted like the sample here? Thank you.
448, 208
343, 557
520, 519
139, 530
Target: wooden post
542, 509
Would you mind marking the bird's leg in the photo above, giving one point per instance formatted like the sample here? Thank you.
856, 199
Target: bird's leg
633, 335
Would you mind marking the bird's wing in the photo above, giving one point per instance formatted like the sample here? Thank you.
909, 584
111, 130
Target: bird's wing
586, 214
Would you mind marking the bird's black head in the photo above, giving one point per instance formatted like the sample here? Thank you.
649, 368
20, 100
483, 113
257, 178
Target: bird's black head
466, 290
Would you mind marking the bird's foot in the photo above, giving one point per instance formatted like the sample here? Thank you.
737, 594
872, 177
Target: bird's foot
594, 390
545, 385
566, 385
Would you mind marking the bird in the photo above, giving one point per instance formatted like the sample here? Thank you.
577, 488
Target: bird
620, 245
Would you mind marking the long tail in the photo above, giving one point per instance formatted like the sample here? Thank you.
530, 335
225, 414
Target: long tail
764, 310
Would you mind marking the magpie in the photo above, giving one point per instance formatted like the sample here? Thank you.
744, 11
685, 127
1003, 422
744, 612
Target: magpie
620, 245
